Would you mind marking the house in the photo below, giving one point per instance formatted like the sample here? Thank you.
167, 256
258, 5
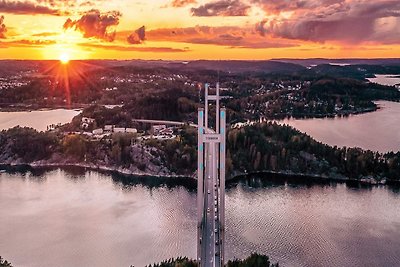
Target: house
119, 130
155, 129
131, 130
108, 128
86, 122
166, 131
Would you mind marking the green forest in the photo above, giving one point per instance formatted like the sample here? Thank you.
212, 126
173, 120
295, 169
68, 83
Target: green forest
255, 148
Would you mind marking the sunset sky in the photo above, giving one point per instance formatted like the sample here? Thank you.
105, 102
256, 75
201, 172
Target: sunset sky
198, 29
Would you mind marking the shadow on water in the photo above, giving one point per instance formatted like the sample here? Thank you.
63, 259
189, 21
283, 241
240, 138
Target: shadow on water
125, 181
129, 181
259, 180
263, 180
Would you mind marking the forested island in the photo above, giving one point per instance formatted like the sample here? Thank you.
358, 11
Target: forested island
260, 147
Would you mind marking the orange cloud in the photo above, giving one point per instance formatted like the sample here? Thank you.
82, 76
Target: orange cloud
27, 43
29, 8
137, 49
138, 36
224, 36
96, 24
182, 3
45, 34
3, 28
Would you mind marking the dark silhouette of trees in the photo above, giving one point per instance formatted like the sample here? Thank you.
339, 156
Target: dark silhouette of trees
28, 144
4, 263
269, 146
255, 260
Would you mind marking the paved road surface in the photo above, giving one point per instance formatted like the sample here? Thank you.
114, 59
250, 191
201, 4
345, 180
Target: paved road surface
210, 249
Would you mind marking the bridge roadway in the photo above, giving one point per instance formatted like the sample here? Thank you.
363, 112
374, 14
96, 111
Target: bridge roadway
210, 237
166, 122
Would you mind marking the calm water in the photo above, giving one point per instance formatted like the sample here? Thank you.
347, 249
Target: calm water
377, 131
386, 79
38, 120
89, 219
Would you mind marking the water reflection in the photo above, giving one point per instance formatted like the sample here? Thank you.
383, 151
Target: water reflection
84, 218
384, 79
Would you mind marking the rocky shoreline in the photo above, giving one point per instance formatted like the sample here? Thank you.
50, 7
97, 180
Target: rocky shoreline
89, 166
267, 175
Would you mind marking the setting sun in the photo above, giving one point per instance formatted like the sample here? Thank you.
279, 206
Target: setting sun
64, 58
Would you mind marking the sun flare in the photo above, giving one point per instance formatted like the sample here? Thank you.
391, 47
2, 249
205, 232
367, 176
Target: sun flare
64, 58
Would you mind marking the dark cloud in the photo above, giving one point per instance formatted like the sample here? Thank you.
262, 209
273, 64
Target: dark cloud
342, 21
138, 36
96, 24
3, 28
260, 27
228, 36
224, 8
182, 3
25, 7
278, 6
135, 49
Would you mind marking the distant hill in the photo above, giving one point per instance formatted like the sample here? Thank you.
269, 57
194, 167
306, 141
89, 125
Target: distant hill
341, 61
232, 66
13, 67
245, 66
352, 68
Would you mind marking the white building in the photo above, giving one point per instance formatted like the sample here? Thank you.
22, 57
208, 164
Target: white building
108, 128
131, 130
157, 128
119, 130
87, 120
98, 131
166, 131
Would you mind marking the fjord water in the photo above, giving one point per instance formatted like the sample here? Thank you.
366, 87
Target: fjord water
385, 79
59, 218
377, 131
38, 120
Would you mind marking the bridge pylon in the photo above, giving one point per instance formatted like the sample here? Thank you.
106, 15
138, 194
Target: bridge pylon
211, 182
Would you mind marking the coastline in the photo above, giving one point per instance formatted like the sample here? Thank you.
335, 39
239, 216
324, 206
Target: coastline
93, 167
266, 175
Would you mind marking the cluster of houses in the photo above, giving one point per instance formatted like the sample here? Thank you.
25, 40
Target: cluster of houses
161, 132
86, 123
12, 82
112, 129
158, 130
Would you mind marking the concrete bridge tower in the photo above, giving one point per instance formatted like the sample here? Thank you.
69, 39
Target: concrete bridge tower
211, 182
